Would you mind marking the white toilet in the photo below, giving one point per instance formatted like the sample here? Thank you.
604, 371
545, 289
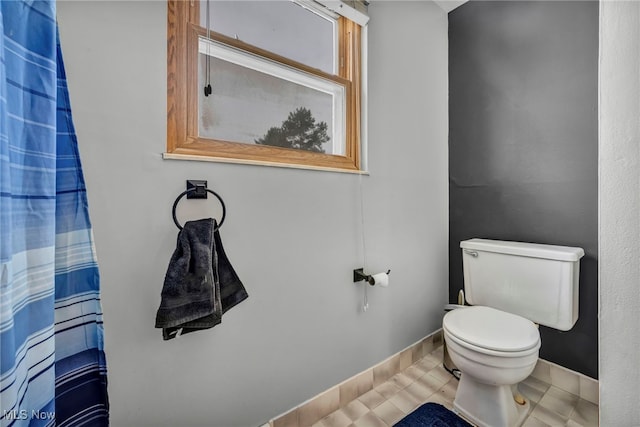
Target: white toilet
495, 342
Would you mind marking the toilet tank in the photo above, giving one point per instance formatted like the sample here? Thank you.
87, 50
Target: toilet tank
538, 282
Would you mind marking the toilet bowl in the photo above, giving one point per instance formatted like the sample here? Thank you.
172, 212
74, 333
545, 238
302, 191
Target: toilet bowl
494, 343
494, 350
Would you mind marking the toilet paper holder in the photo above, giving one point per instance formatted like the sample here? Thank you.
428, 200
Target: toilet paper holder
358, 276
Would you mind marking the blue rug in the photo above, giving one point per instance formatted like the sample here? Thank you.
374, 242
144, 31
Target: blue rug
432, 415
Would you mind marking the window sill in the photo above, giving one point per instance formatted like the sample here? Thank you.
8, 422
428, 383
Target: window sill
173, 156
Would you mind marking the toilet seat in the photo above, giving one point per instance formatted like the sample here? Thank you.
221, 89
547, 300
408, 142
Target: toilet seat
492, 331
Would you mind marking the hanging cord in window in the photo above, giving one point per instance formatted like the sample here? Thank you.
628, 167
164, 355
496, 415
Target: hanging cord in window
365, 302
207, 72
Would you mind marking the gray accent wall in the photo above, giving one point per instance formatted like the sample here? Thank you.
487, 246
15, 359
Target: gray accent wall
523, 143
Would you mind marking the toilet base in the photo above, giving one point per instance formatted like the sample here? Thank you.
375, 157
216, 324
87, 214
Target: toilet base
489, 405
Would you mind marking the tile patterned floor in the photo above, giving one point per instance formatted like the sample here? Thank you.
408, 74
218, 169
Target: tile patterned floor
427, 381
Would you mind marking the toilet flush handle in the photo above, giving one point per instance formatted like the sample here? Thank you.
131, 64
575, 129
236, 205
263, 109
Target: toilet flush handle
472, 253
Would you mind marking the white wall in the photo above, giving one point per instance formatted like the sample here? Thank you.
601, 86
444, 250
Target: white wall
293, 236
619, 213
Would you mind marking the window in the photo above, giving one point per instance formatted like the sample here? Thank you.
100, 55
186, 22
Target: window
267, 82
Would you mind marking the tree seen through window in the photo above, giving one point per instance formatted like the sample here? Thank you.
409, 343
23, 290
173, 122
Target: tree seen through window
299, 131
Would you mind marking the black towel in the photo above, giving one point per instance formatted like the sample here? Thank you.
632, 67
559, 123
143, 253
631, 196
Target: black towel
200, 284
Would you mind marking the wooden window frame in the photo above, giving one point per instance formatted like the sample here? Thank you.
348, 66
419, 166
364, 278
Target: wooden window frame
183, 32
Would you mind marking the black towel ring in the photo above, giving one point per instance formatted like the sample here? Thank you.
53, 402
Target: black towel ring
184, 193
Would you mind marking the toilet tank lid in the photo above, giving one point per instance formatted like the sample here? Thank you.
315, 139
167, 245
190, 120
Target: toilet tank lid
534, 250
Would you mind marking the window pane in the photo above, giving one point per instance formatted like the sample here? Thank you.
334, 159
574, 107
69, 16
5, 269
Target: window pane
278, 107
281, 27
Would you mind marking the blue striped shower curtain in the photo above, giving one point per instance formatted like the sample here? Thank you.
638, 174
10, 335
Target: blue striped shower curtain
52, 364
